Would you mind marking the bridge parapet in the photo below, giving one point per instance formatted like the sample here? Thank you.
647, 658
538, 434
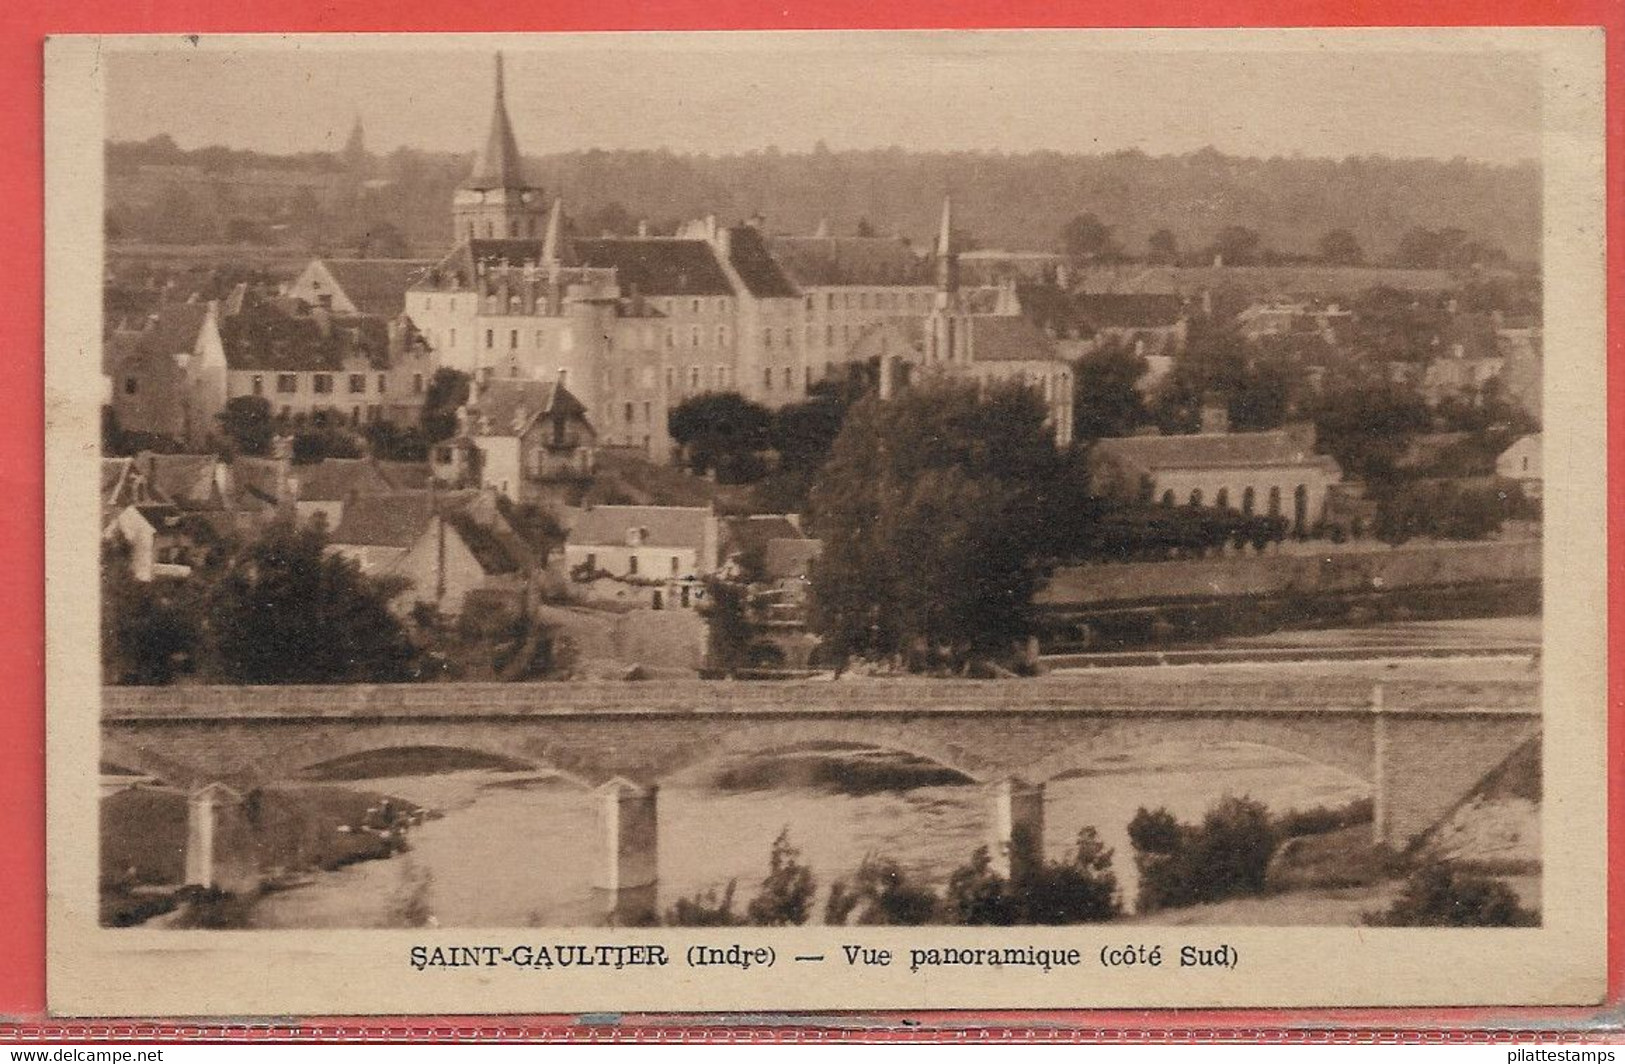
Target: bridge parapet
1147, 691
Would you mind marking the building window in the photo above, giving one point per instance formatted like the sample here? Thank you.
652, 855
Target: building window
809, 303
442, 455
767, 379
632, 565
258, 386
322, 383
696, 307
1222, 500
1168, 498
358, 384
829, 336
671, 337
767, 338
490, 339
722, 336
629, 413
540, 336
1275, 502
592, 563
513, 339
1196, 496
694, 378
830, 302
789, 380
648, 413
694, 336
789, 337
722, 377
1248, 501
382, 382
417, 384
287, 383
671, 379
130, 385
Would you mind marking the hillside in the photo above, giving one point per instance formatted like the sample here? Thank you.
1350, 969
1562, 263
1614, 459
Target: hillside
158, 192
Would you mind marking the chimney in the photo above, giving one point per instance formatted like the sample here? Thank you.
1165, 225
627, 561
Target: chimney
1215, 417
643, 228
724, 239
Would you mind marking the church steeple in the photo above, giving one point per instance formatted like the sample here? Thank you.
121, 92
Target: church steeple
498, 164
496, 201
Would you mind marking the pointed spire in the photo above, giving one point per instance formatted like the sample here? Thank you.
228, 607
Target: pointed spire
551, 242
499, 164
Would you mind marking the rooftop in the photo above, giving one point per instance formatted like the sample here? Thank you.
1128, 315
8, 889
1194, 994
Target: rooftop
1215, 450
663, 526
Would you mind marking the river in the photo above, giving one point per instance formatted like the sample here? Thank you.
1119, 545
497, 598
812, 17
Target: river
519, 849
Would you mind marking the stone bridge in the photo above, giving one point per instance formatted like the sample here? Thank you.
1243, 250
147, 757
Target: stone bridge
1421, 744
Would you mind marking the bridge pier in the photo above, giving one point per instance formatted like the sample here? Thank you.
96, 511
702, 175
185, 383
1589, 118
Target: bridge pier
1382, 820
219, 841
629, 877
1017, 841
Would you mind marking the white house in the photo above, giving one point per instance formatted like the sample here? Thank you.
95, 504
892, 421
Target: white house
1521, 462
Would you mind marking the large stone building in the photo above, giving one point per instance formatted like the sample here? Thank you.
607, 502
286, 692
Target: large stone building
1277, 474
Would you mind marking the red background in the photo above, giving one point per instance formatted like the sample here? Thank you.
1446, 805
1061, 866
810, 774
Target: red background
23, 25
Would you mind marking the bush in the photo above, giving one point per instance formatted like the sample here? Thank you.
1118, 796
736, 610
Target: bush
705, 909
880, 894
1082, 890
1227, 855
1320, 820
1440, 895
787, 892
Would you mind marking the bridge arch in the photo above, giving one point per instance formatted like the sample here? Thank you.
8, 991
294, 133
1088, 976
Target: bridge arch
1342, 744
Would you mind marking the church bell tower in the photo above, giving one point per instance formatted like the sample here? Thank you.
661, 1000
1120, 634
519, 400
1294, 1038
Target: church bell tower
495, 202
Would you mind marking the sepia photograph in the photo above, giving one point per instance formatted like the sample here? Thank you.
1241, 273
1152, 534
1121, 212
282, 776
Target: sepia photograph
1060, 483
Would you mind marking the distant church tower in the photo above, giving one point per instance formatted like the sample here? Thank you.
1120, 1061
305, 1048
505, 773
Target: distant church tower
496, 202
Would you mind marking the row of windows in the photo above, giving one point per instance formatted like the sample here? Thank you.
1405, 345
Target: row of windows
632, 564
1249, 500
864, 300
323, 384
629, 412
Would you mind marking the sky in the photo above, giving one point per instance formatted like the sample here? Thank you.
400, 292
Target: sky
724, 93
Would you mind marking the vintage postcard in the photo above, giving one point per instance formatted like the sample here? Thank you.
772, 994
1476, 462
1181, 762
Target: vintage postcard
845, 520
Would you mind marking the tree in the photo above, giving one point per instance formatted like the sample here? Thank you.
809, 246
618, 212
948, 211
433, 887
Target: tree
1106, 398
786, 895
1087, 239
1163, 247
1367, 426
382, 240
720, 432
1237, 245
1338, 247
447, 392
246, 422
285, 611
935, 511
150, 631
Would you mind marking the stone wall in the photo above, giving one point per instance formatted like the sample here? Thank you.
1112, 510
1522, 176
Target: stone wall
1376, 569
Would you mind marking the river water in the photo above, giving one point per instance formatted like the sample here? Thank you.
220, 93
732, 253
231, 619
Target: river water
520, 849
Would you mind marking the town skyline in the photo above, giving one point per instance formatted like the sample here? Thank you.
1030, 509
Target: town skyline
938, 96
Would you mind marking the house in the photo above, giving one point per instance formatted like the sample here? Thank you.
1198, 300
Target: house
443, 545
517, 437
170, 378
164, 540
319, 491
1521, 462
373, 287
644, 555
320, 366
745, 539
1283, 317
1273, 473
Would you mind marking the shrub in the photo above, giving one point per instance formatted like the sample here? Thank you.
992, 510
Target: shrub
705, 909
787, 892
880, 894
1082, 890
1440, 895
1320, 820
1181, 864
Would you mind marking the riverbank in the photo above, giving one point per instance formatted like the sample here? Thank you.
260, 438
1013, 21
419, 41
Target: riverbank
299, 829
